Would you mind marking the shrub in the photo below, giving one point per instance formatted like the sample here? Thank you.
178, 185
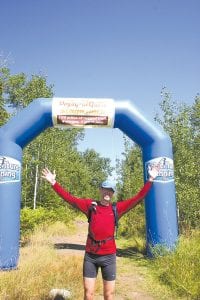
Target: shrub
180, 270
31, 218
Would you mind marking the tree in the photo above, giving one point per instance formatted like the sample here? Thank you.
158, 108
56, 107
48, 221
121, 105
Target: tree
19, 90
56, 148
78, 172
130, 173
3, 112
182, 124
98, 168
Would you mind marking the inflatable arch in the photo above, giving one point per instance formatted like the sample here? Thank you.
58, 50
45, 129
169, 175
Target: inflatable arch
160, 204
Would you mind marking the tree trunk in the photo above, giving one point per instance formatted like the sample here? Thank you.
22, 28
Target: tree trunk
35, 188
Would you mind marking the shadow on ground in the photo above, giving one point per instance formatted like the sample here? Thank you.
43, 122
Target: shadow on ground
61, 246
130, 252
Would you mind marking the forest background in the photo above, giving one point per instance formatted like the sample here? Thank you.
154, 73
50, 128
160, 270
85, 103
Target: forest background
82, 172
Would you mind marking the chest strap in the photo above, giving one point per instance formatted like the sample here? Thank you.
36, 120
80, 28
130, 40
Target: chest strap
100, 242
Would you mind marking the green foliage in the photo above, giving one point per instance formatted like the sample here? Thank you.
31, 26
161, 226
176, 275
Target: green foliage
80, 173
180, 270
55, 148
31, 218
132, 224
98, 168
3, 113
182, 124
19, 90
131, 171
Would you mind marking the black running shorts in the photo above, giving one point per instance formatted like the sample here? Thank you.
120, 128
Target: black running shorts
107, 263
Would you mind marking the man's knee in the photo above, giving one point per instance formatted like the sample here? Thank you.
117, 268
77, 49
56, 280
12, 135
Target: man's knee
89, 286
109, 295
109, 290
88, 294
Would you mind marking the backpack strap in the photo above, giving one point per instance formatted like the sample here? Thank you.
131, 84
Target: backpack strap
98, 243
92, 209
114, 208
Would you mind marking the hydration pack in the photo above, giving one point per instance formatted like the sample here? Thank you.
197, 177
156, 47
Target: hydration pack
92, 209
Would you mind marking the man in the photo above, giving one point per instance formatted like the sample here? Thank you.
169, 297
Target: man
100, 249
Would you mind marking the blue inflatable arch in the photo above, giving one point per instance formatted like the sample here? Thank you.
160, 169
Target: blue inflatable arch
160, 204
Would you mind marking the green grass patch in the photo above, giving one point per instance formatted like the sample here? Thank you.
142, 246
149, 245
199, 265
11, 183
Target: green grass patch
180, 270
174, 275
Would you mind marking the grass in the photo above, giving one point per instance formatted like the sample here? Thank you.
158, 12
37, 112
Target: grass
172, 276
41, 268
181, 270
139, 281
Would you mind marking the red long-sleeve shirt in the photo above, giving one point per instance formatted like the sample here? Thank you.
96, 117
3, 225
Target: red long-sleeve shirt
102, 225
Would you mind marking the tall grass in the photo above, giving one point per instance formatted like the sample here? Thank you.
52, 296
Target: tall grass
41, 268
181, 270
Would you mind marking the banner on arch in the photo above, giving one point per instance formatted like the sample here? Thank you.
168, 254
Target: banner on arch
83, 112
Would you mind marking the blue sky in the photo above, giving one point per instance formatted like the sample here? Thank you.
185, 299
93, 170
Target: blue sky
122, 49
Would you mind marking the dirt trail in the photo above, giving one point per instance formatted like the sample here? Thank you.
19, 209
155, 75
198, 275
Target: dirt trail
131, 283
73, 243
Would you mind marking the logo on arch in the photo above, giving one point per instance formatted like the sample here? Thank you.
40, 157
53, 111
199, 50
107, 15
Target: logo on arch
166, 169
10, 169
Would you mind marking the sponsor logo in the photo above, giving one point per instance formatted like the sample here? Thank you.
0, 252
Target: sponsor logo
166, 169
10, 169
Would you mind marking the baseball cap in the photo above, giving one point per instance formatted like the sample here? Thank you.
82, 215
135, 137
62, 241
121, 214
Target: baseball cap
108, 184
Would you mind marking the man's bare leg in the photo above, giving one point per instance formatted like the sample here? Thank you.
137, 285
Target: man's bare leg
108, 289
89, 288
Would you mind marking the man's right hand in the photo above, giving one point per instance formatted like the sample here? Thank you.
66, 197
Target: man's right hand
50, 177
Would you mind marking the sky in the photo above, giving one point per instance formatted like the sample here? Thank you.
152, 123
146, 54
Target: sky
121, 49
